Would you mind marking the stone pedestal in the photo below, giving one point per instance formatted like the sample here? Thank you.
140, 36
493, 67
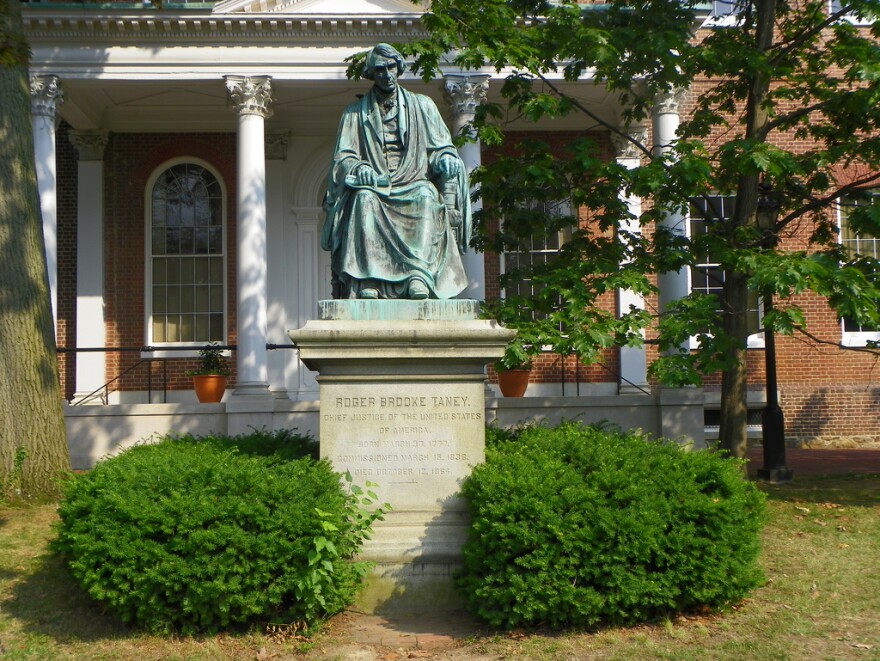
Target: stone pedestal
403, 406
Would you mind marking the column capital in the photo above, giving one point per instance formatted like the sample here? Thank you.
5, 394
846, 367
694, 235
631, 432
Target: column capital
465, 91
669, 102
46, 95
250, 95
624, 148
89, 144
276, 146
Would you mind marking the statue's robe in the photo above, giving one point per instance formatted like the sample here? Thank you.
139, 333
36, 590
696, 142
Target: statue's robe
384, 236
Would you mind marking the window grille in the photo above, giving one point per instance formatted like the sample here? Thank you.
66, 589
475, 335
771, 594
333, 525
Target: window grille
707, 275
542, 248
858, 244
187, 257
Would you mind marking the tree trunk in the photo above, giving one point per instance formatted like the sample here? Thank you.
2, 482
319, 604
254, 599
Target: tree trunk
33, 442
734, 406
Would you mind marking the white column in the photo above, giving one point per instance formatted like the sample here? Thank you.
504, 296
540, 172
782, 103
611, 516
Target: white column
464, 92
46, 95
91, 368
633, 360
278, 283
672, 285
250, 98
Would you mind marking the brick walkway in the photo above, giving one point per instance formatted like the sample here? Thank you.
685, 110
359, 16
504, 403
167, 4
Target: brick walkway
822, 462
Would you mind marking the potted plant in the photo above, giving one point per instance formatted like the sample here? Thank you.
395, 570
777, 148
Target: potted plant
209, 379
515, 367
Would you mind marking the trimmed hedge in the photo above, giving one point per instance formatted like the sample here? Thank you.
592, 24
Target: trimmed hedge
575, 526
194, 536
279, 445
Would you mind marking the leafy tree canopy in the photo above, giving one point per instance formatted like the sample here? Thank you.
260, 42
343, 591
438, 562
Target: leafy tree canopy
785, 95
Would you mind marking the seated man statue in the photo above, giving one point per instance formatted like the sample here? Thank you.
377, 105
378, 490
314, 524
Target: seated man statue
398, 210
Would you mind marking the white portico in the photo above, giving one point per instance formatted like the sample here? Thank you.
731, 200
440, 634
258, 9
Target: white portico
259, 86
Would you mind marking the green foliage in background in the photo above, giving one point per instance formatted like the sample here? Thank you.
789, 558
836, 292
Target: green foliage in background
776, 94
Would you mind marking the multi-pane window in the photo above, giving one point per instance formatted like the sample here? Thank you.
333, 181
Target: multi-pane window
834, 6
707, 274
859, 244
722, 8
724, 12
187, 288
542, 248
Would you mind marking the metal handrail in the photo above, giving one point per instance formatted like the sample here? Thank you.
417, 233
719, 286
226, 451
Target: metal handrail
147, 349
105, 398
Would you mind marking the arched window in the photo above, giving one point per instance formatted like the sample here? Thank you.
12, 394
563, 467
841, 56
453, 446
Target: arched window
187, 259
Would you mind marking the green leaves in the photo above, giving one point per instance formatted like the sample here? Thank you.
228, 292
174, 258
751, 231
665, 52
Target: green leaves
800, 111
190, 535
576, 526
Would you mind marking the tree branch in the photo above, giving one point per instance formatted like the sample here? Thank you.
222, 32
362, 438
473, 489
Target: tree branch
818, 340
601, 122
817, 203
799, 40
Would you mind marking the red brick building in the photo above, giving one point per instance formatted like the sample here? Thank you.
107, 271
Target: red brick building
242, 99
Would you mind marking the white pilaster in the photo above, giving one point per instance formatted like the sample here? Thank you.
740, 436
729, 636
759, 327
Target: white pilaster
250, 98
276, 228
46, 96
672, 285
464, 92
91, 367
633, 360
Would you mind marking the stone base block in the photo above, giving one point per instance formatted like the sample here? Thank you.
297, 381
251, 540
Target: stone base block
411, 589
402, 406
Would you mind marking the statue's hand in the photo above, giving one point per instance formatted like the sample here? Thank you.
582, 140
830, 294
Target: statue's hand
448, 166
366, 176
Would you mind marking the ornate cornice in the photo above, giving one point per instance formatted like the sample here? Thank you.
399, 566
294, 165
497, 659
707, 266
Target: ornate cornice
46, 95
250, 95
464, 92
51, 24
89, 144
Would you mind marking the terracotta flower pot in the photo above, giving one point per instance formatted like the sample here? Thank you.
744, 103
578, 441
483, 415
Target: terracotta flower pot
209, 387
513, 383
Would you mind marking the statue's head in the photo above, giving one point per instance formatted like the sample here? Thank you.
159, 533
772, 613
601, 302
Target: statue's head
380, 52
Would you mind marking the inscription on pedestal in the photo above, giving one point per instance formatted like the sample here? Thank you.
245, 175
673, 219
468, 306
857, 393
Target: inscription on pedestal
417, 441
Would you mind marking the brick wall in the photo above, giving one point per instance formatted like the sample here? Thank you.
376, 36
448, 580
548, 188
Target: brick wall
130, 159
552, 368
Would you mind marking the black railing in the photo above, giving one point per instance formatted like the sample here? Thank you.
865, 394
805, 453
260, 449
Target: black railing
104, 391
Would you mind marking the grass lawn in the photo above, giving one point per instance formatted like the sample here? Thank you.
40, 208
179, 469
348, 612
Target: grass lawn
822, 601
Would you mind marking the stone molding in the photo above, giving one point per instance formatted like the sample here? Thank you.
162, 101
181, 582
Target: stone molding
669, 102
89, 144
276, 146
46, 95
464, 92
624, 148
250, 95
51, 24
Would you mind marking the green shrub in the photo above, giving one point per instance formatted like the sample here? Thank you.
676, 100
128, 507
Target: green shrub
574, 526
191, 536
281, 444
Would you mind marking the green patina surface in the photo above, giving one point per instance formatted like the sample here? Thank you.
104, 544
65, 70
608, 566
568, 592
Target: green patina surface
398, 310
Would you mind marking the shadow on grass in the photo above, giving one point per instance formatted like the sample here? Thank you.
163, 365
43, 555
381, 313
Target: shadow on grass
48, 602
856, 490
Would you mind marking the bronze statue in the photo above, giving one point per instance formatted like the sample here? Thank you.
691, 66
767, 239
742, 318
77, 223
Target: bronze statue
398, 210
